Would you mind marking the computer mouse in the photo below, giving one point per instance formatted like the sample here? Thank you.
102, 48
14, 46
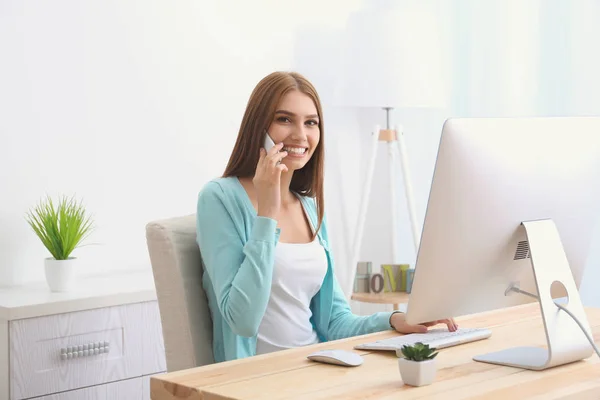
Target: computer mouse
337, 357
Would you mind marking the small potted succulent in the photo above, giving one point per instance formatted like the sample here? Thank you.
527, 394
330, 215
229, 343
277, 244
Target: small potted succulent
61, 229
417, 367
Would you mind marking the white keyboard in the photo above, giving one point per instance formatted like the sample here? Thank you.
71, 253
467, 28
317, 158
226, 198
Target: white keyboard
438, 338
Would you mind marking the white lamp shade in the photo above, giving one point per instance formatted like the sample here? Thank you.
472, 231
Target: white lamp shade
391, 57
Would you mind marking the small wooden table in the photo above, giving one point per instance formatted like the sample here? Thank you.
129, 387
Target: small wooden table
395, 298
289, 374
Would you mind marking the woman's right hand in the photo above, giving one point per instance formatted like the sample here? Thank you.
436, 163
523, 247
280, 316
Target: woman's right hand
267, 181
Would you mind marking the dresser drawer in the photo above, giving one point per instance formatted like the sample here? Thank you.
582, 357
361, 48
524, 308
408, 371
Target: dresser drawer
63, 352
131, 389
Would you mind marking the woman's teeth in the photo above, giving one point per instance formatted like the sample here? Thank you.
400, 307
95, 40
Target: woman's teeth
295, 150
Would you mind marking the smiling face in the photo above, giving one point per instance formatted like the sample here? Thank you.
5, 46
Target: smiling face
296, 125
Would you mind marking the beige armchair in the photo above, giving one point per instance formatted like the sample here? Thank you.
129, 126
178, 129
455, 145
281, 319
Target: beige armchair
184, 312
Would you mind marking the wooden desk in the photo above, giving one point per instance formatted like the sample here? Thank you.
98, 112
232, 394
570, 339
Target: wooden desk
395, 298
290, 375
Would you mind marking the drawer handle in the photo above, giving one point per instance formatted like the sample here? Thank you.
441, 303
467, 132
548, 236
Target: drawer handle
84, 350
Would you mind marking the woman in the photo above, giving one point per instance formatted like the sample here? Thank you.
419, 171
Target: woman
263, 238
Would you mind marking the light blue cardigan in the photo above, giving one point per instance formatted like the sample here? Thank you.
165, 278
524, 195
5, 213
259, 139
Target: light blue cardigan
237, 248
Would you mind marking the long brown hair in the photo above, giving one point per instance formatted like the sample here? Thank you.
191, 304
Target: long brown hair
260, 111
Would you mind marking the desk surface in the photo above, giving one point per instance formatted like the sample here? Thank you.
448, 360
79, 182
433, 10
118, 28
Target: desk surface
288, 374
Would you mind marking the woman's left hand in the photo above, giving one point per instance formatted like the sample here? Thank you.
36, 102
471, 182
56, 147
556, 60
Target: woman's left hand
399, 323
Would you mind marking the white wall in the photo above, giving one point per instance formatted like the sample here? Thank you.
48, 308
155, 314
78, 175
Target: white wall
131, 106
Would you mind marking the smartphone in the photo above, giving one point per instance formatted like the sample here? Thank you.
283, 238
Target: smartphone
268, 142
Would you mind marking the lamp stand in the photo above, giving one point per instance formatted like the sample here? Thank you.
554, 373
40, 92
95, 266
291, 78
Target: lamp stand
395, 141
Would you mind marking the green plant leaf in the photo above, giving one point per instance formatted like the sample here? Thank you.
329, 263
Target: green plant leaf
419, 352
61, 228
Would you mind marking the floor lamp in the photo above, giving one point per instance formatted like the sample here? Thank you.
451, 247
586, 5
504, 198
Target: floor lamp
395, 142
390, 59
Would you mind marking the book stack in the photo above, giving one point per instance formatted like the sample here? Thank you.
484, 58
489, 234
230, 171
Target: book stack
362, 280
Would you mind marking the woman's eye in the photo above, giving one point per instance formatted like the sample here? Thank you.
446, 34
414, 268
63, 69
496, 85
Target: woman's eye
283, 119
312, 122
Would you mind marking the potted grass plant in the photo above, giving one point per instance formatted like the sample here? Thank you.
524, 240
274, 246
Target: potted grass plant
417, 367
62, 227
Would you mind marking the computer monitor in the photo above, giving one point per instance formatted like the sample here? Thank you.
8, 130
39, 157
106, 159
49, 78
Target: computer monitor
506, 192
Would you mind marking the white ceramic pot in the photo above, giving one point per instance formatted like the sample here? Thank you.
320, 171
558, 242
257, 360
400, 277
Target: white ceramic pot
417, 373
61, 274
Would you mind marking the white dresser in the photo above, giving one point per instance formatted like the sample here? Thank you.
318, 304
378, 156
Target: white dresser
103, 341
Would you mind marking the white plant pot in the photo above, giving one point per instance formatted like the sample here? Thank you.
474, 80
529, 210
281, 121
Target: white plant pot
417, 373
61, 274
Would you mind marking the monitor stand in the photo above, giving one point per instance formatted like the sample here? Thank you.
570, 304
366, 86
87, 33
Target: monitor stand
566, 342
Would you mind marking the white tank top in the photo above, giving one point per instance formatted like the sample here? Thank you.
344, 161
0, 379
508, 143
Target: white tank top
298, 273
